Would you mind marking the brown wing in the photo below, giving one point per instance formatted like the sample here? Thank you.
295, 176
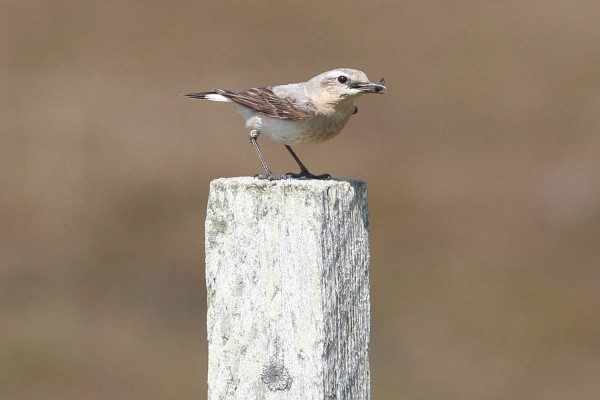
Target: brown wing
265, 101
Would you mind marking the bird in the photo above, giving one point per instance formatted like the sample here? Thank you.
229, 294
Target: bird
298, 113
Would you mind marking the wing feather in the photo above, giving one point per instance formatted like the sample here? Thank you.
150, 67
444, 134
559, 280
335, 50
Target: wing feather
265, 101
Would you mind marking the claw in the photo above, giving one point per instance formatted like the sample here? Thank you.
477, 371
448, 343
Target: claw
271, 177
307, 175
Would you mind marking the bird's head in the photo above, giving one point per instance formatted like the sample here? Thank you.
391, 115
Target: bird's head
344, 83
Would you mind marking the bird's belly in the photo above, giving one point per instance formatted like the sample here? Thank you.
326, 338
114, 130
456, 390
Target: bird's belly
300, 131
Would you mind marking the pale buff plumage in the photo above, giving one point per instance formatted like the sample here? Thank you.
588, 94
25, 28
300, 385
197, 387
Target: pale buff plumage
299, 113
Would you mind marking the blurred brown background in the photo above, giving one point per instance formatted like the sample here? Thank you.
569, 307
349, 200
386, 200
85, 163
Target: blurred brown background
482, 162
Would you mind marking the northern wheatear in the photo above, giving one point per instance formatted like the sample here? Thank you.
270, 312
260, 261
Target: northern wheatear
298, 113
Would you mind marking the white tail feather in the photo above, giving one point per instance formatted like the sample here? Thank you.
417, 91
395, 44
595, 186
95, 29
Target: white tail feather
216, 97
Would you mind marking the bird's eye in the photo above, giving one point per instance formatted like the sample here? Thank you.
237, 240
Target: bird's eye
342, 79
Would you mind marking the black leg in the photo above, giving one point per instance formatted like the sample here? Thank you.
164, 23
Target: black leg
268, 174
304, 173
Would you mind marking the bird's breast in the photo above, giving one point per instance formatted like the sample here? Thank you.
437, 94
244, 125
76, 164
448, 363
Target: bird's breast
317, 129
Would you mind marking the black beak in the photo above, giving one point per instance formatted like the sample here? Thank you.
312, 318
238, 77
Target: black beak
370, 87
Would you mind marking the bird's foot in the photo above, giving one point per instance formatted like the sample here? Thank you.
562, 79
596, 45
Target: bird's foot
305, 174
271, 176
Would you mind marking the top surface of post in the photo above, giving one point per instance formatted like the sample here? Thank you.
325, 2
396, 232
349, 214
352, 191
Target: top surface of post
304, 183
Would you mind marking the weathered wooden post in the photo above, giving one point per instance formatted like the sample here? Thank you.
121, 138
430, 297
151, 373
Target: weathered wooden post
287, 272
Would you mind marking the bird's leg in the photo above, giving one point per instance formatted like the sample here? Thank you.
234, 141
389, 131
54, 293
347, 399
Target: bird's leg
304, 173
268, 174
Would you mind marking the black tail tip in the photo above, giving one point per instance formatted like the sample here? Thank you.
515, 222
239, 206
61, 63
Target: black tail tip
193, 95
